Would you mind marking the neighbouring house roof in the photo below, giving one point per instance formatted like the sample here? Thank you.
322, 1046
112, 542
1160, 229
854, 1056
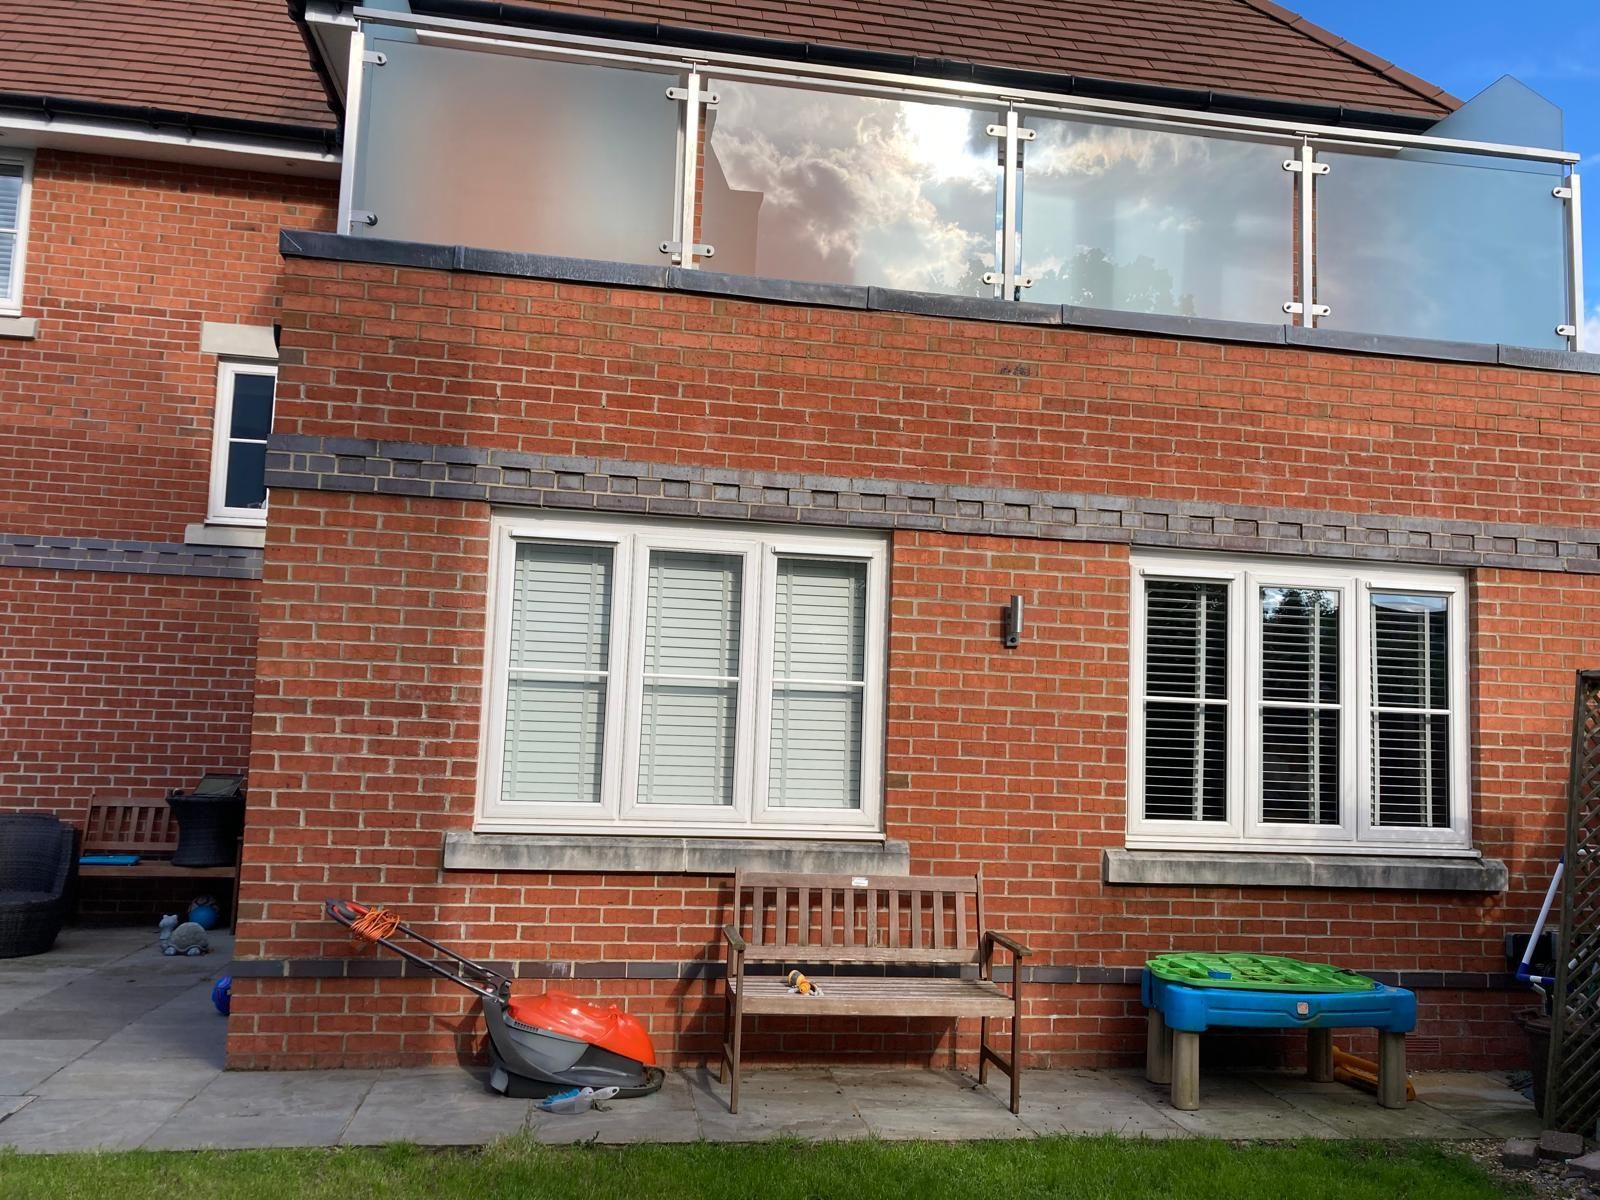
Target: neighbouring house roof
247, 60
1251, 47
240, 60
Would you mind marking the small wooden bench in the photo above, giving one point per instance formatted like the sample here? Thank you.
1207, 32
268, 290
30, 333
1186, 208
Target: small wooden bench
886, 921
145, 828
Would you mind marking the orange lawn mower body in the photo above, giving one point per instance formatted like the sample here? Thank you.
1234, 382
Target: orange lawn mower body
538, 1045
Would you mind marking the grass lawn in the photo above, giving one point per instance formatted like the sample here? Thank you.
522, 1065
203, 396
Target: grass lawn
1094, 1168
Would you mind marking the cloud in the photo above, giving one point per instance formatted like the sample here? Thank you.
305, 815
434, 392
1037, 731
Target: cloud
1591, 330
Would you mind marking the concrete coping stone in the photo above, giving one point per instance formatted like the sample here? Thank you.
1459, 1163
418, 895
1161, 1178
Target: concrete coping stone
588, 853
1222, 868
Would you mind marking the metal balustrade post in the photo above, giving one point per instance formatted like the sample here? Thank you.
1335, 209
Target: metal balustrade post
354, 80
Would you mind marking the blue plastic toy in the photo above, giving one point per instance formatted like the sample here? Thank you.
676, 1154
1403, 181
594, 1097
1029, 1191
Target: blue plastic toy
205, 913
222, 994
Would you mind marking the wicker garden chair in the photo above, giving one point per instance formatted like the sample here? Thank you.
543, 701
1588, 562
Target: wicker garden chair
36, 852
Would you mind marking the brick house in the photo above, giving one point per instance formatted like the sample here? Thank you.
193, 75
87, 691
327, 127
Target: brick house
670, 402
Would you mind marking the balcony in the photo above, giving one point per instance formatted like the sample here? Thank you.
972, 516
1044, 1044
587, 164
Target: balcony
502, 139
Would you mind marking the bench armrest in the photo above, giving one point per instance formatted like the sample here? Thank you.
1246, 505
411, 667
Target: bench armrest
992, 938
735, 942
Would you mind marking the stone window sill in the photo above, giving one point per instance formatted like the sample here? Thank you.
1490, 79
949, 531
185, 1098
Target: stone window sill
24, 328
1221, 868
669, 856
252, 536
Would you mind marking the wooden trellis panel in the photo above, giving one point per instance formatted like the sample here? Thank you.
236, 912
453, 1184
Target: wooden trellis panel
1574, 1084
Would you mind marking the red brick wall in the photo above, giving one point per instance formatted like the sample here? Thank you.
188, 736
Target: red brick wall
107, 414
117, 686
670, 377
371, 655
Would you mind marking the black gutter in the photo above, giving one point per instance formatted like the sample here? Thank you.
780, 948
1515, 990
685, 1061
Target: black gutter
307, 136
681, 37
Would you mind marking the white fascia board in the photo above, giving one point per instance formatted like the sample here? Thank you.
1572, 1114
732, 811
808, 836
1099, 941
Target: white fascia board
89, 136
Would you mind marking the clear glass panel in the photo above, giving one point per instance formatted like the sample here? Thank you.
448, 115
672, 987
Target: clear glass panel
820, 618
1410, 651
1185, 762
850, 189
502, 152
816, 748
1147, 220
1424, 246
555, 741
1186, 640
558, 662
819, 662
561, 608
1186, 740
252, 406
1300, 645
8, 257
1411, 770
247, 474
689, 721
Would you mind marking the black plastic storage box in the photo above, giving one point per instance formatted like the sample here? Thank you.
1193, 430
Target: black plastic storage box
210, 821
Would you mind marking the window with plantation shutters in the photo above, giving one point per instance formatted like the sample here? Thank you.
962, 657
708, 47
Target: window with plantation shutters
1284, 703
1298, 713
654, 677
1410, 711
15, 172
1186, 701
558, 673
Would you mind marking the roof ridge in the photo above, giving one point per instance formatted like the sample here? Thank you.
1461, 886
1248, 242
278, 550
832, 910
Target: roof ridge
1381, 66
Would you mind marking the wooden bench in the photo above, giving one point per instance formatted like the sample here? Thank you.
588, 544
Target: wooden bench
145, 828
885, 921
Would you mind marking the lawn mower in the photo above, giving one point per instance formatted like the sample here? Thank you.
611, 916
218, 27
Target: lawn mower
538, 1046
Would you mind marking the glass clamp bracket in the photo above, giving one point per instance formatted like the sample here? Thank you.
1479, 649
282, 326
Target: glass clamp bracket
699, 249
376, 57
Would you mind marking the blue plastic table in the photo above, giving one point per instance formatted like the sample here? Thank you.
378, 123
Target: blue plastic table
1178, 1015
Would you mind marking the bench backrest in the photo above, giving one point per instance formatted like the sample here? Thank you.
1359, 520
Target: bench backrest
858, 918
130, 826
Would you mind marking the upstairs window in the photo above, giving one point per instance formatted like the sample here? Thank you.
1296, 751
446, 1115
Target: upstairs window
1285, 704
239, 443
652, 677
16, 176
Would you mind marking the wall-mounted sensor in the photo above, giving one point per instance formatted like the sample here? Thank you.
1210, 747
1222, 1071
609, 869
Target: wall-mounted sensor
1011, 624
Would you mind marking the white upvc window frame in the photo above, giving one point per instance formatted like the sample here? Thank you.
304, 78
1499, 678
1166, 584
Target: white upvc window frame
11, 299
217, 510
1244, 829
619, 810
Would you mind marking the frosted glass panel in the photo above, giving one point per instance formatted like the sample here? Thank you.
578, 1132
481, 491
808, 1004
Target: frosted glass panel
689, 718
464, 147
850, 189
1425, 247
558, 667
1145, 220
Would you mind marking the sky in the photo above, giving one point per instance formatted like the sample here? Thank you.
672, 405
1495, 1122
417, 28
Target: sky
1553, 46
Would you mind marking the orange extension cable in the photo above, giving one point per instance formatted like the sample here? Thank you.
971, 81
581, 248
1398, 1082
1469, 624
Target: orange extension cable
373, 925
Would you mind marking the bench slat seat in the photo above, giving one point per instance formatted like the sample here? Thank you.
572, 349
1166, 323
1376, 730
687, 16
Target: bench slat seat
865, 996
890, 921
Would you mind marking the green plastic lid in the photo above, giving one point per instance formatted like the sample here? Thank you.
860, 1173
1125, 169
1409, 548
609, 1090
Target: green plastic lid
1256, 973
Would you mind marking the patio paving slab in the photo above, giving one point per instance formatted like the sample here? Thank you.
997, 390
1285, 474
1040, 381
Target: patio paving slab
108, 1123
254, 1109
808, 1104
938, 1105
444, 1107
24, 1065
